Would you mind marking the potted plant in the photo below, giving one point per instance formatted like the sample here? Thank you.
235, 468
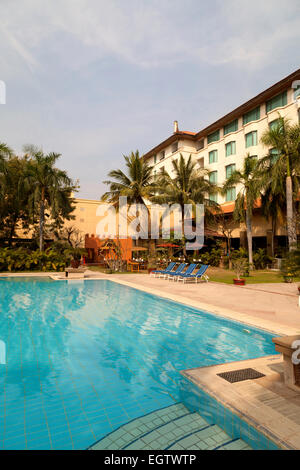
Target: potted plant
239, 266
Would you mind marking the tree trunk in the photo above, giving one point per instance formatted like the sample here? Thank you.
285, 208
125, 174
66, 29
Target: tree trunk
183, 237
273, 235
249, 236
291, 226
42, 220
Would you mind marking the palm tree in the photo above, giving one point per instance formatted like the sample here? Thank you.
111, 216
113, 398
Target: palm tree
285, 139
187, 185
250, 180
137, 184
273, 195
51, 189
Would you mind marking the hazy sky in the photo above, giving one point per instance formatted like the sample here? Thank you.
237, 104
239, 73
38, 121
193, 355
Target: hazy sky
95, 79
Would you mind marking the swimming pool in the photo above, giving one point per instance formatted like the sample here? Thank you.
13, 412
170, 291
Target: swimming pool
85, 357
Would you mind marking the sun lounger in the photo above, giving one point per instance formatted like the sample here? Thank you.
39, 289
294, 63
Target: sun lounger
164, 271
177, 272
199, 276
189, 270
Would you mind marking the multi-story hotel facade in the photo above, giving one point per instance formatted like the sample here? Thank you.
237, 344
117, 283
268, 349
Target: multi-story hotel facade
222, 146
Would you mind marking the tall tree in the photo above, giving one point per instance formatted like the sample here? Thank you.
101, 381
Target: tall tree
13, 196
51, 190
284, 138
249, 180
186, 185
137, 184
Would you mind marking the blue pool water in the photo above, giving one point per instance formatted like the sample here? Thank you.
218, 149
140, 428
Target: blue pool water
84, 357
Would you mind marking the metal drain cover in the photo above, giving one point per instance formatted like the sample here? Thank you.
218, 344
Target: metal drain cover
240, 375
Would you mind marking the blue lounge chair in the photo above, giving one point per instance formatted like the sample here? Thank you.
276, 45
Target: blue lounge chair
177, 272
164, 271
199, 276
189, 270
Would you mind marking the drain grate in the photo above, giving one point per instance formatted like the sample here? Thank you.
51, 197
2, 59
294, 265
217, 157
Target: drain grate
240, 375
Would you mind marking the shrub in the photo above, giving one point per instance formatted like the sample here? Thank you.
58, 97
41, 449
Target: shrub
22, 259
290, 266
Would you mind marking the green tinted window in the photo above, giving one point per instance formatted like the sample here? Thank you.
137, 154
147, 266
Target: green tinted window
251, 139
213, 197
277, 101
231, 127
213, 156
229, 170
230, 149
274, 124
253, 115
213, 137
297, 92
230, 194
213, 177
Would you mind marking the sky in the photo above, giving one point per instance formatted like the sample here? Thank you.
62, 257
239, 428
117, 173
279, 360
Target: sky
95, 79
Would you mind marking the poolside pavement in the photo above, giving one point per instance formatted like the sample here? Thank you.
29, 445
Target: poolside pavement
273, 307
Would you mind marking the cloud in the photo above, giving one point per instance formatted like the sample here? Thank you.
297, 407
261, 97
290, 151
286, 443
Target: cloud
150, 34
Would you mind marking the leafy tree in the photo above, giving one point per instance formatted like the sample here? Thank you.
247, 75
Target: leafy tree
137, 184
249, 179
186, 185
50, 191
284, 138
13, 195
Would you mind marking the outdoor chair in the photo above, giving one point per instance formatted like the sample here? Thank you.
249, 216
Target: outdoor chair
188, 271
164, 271
199, 276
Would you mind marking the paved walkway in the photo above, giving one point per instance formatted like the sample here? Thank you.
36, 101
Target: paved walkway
270, 306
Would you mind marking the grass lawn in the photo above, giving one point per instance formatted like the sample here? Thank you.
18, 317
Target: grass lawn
256, 277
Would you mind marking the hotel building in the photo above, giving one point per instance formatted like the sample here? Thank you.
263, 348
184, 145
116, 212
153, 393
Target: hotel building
222, 146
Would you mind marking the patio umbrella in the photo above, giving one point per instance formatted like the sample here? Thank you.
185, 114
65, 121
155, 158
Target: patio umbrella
168, 245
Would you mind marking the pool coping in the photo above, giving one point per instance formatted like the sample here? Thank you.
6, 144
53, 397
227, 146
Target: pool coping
251, 400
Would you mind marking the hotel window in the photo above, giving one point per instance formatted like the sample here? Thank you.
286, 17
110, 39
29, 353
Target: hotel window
297, 92
252, 115
231, 127
274, 153
277, 102
175, 147
162, 155
230, 195
230, 149
200, 144
229, 170
201, 162
213, 177
213, 156
251, 139
274, 124
214, 137
154, 159
213, 197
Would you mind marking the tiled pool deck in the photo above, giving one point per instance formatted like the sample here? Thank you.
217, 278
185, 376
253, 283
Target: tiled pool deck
266, 403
